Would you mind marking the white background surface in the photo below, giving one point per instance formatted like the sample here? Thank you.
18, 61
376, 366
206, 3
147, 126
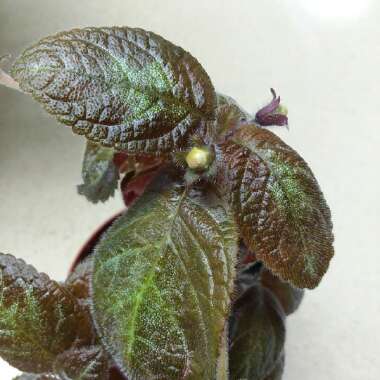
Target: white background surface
322, 56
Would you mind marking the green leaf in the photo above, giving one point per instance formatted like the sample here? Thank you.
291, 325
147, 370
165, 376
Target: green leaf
39, 318
289, 296
84, 363
283, 216
100, 174
162, 281
257, 335
122, 87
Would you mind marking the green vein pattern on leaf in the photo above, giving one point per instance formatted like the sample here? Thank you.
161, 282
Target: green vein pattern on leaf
39, 318
121, 87
163, 277
281, 211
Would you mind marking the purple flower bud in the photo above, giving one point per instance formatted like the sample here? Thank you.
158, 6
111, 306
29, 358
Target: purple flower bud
271, 114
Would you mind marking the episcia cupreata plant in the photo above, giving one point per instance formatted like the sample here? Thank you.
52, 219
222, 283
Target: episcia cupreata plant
225, 223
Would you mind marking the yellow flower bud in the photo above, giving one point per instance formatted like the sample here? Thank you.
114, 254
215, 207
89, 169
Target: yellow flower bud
198, 158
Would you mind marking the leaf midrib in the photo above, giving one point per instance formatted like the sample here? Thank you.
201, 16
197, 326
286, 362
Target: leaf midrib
273, 174
166, 95
150, 276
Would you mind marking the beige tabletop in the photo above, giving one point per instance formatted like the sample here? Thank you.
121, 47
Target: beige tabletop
323, 58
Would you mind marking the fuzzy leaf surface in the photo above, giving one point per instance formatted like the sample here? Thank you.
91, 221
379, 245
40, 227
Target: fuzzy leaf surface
281, 211
78, 281
257, 335
39, 318
162, 281
43, 376
84, 363
122, 87
229, 114
99, 173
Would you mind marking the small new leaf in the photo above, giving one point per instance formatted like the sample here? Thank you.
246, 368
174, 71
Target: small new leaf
39, 318
99, 173
229, 115
162, 281
283, 216
257, 335
121, 87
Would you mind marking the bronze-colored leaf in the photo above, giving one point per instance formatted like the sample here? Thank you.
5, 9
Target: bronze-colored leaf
121, 87
283, 216
84, 363
257, 335
162, 282
39, 318
43, 376
229, 114
78, 282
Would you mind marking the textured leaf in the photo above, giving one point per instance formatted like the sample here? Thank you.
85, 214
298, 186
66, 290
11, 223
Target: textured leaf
257, 335
283, 216
122, 87
78, 282
289, 296
229, 114
99, 173
31, 376
162, 280
85, 363
39, 318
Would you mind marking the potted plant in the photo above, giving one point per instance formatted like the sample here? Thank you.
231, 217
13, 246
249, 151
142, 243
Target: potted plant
225, 224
